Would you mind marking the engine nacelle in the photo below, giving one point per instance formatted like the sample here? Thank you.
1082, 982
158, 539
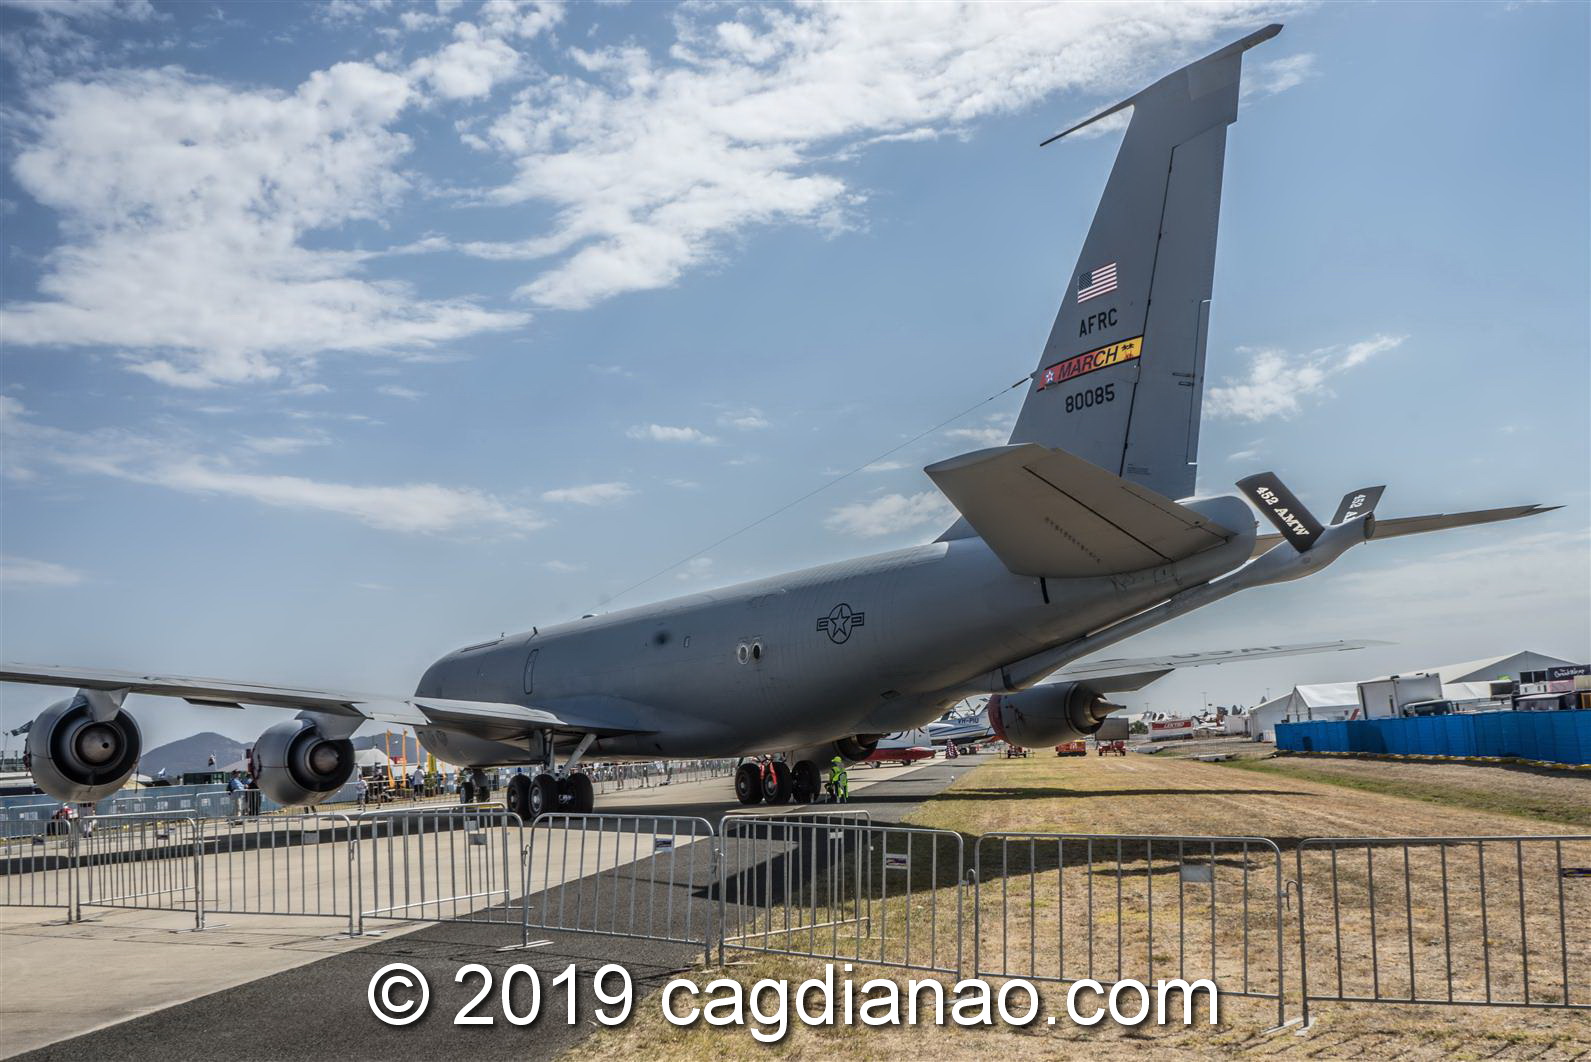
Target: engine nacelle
294, 763
856, 748
77, 758
1048, 715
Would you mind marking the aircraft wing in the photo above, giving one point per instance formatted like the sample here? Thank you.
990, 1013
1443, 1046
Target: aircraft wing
1397, 526
1123, 675
487, 719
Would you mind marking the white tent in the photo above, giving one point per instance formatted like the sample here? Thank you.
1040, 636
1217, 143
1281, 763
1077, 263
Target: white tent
371, 757
1325, 700
1492, 668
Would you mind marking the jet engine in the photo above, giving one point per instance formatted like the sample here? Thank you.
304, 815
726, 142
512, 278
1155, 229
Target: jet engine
1048, 715
78, 758
295, 763
856, 748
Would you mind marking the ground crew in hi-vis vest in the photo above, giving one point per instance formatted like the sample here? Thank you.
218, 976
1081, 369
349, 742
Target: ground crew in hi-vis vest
839, 782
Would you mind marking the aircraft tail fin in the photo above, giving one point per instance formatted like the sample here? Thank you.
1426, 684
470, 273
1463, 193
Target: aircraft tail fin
1121, 380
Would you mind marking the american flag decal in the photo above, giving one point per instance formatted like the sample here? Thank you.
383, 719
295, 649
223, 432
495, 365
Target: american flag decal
1093, 282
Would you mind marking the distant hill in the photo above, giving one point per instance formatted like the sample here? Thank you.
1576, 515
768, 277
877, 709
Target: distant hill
192, 754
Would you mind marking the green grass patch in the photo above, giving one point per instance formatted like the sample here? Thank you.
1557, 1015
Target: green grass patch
1569, 804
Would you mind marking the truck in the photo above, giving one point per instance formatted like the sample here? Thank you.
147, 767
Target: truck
1072, 748
1386, 698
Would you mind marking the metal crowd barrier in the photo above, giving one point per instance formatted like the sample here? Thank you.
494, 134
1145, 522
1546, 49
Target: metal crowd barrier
1490, 921
841, 888
616, 777
38, 863
298, 864
1487, 921
453, 864
1076, 906
144, 862
621, 875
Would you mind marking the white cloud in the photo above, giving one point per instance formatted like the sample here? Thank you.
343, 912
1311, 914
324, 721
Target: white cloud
653, 159
695, 570
185, 208
24, 571
562, 567
876, 466
891, 513
412, 507
1277, 75
468, 68
394, 391
182, 465
1279, 384
282, 445
1528, 568
995, 431
590, 494
665, 433
745, 420
84, 10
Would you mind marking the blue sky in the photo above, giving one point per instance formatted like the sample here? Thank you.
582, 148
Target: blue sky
338, 336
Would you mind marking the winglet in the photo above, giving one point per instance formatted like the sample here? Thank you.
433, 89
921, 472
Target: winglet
1259, 36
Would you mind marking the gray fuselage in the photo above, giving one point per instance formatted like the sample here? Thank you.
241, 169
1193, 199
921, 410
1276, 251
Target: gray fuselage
867, 646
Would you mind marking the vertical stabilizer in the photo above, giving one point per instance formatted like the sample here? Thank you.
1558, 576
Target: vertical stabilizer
1122, 376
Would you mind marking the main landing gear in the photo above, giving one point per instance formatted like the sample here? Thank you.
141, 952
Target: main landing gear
552, 790
531, 797
776, 782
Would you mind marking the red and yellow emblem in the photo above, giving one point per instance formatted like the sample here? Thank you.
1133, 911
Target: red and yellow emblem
1082, 364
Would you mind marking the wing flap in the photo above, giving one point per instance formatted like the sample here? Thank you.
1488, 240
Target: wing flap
1046, 512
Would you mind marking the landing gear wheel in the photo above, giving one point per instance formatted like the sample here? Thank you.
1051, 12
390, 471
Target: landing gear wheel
466, 791
482, 787
543, 795
804, 783
519, 795
582, 797
748, 783
776, 788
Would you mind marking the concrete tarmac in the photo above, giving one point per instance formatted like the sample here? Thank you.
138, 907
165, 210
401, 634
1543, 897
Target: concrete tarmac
285, 986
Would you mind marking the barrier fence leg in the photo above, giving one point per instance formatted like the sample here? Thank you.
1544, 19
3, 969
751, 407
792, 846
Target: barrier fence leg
74, 900
198, 875
1303, 948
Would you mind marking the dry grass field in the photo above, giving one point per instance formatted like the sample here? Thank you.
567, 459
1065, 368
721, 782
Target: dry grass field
1078, 907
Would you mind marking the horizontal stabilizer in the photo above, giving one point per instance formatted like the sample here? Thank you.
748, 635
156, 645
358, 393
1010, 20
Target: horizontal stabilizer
1046, 512
1394, 527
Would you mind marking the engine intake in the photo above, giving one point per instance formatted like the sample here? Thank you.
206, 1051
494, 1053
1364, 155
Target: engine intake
295, 763
77, 758
1048, 715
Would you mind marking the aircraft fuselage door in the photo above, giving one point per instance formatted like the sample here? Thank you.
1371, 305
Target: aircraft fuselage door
530, 671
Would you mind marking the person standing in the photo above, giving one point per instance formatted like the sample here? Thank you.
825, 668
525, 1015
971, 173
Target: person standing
234, 788
361, 789
839, 782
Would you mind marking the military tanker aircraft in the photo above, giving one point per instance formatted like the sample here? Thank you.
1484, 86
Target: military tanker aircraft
1080, 532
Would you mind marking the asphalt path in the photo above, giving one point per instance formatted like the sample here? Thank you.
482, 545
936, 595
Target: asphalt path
320, 1010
